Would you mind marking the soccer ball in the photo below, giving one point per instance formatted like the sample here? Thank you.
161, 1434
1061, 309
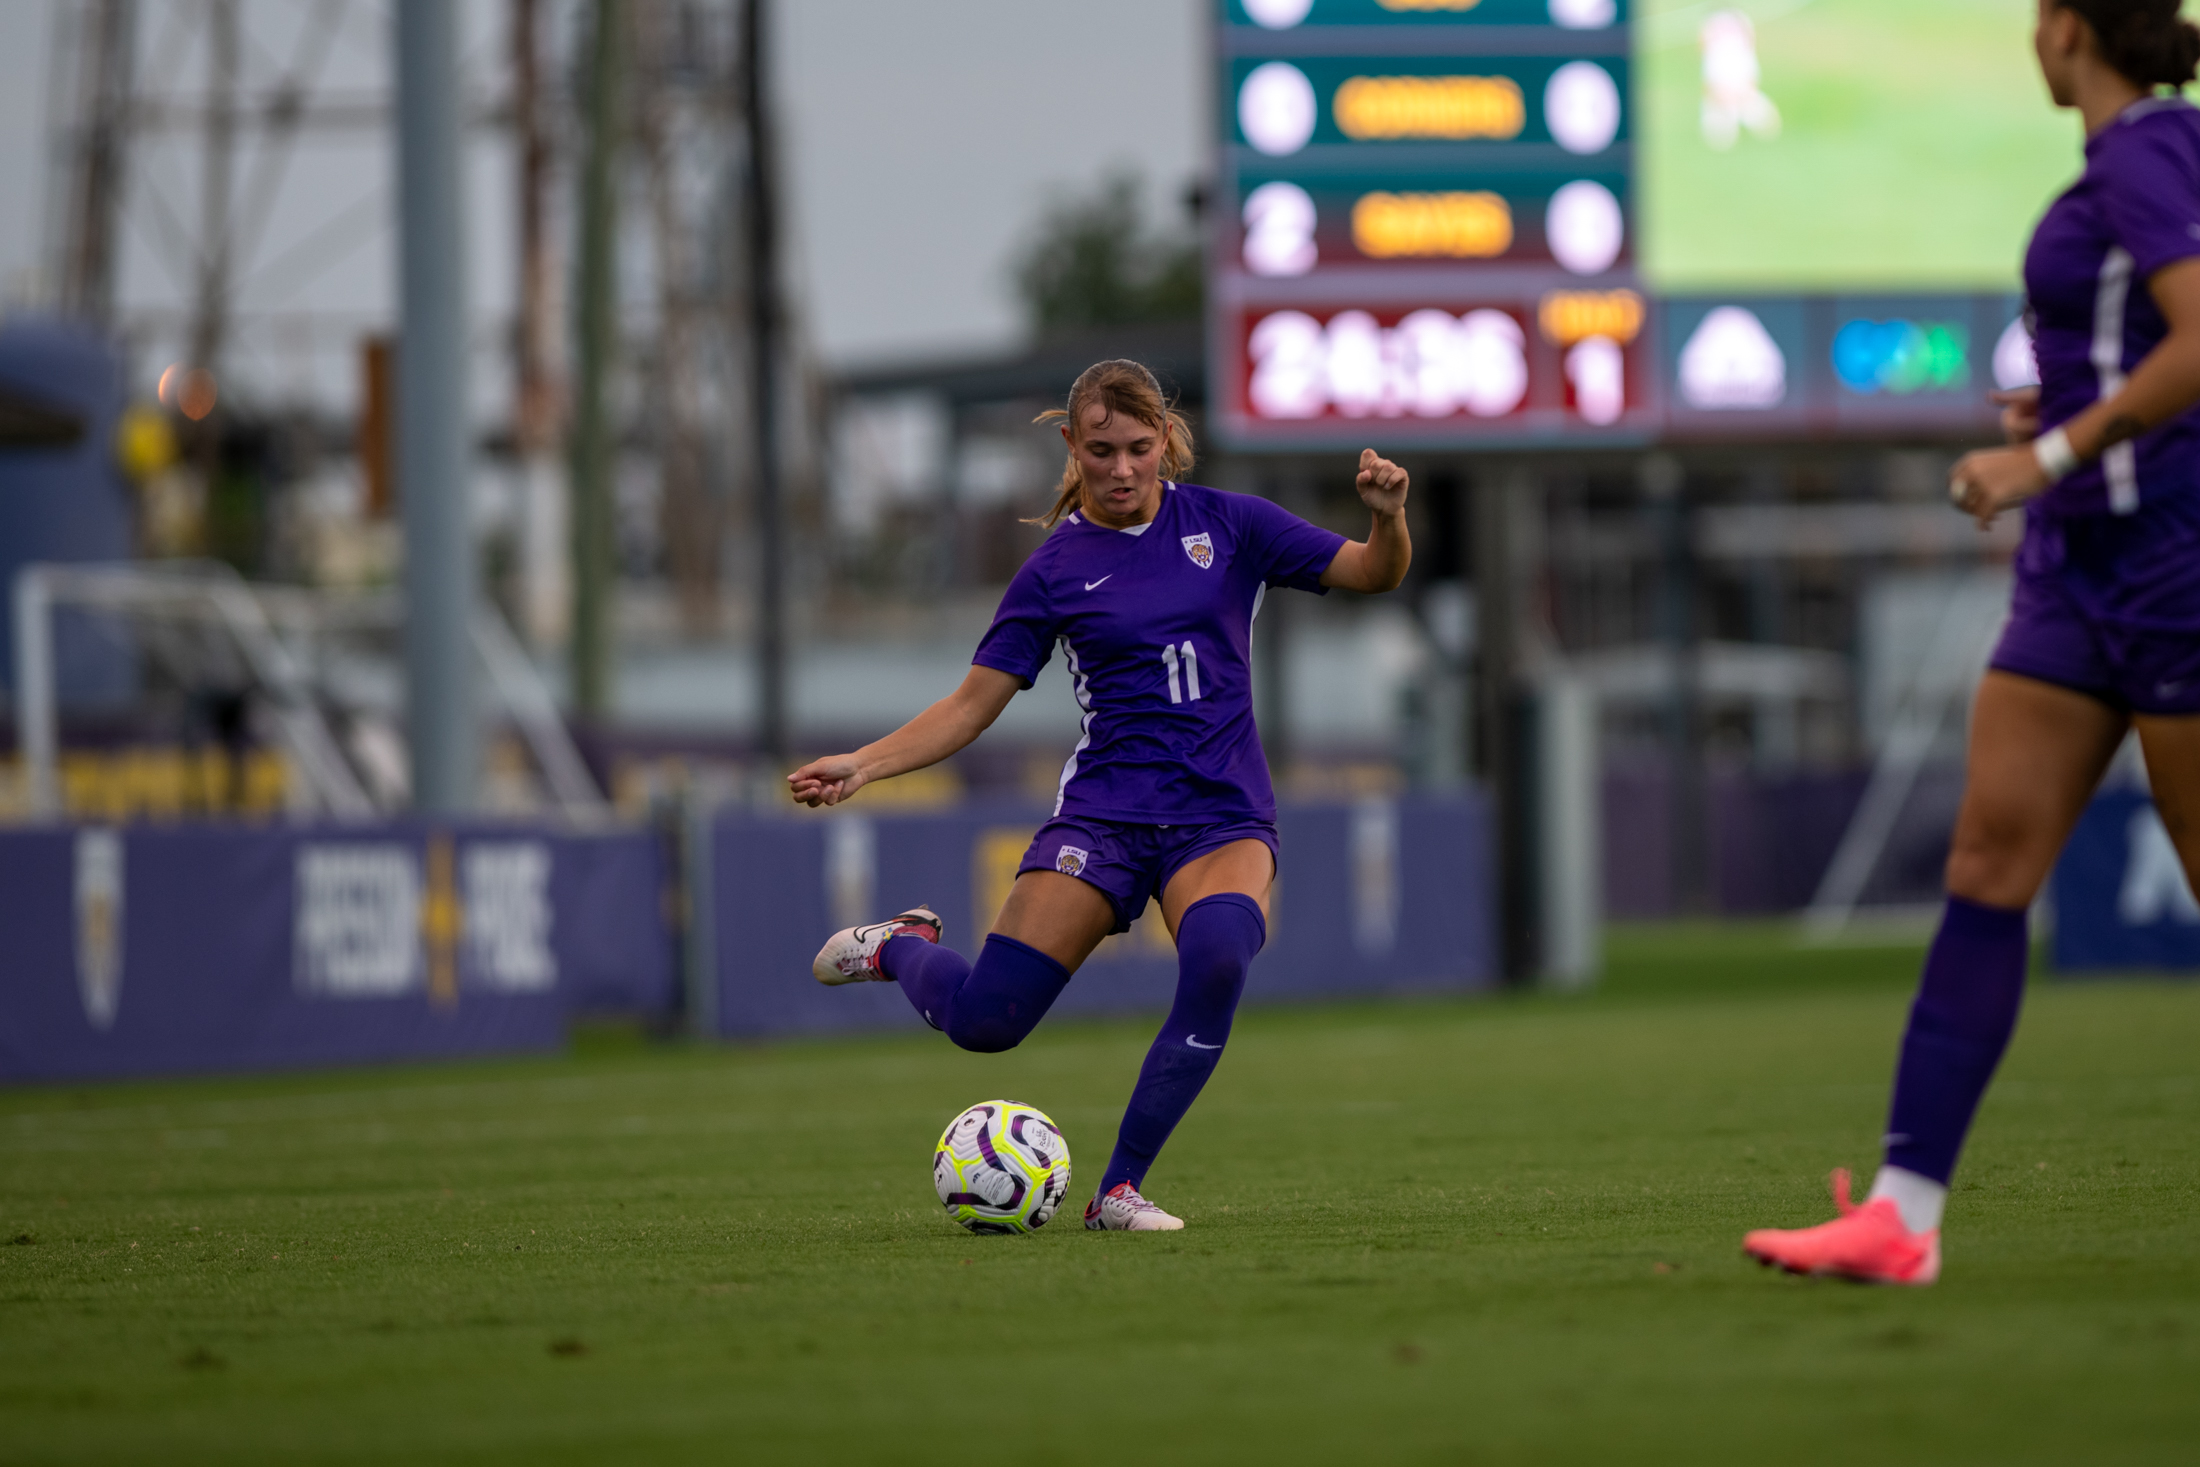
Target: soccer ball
1001, 1167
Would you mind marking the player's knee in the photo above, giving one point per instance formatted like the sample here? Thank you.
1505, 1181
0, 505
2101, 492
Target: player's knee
986, 1034
1995, 874
1999, 862
1215, 980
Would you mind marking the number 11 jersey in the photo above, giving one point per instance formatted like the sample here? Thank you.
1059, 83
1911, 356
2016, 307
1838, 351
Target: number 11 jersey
1155, 625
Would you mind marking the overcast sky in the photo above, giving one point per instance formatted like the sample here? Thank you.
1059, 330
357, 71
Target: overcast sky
925, 135
922, 139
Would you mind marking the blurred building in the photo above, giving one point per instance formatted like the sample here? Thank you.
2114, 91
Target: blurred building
1752, 615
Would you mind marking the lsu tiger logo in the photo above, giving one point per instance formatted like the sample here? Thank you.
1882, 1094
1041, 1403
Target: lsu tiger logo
1070, 861
1200, 549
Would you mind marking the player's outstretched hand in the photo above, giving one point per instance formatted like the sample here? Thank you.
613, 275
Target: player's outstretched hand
1985, 483
826, 781
1382, 484
2020, 413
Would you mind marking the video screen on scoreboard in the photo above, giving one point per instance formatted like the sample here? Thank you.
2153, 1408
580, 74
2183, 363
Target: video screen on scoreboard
1804, 145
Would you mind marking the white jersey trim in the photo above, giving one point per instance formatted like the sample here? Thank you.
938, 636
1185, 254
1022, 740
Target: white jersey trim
1132, 530
1081, 688
2146, 106
2120, 465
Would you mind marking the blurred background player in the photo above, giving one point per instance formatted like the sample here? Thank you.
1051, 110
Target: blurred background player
2104, 628
1150, 587
1733, 89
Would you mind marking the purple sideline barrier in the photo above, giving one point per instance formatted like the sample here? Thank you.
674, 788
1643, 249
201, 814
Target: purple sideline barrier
2121, 898
161, 949
1376, 897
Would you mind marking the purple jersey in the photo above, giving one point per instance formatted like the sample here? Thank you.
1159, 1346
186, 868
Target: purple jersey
2135, 209
1156, 628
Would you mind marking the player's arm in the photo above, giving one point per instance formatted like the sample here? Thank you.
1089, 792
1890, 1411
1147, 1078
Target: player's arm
2165, 383
2167, 379
940, 730
2020, 412
1379, 562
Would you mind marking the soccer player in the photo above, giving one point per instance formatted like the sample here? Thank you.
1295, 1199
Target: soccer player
1151, 587
2104, 629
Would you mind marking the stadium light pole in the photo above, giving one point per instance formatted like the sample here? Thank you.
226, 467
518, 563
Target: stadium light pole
432, 404
762, 206
1500, 493
596, 352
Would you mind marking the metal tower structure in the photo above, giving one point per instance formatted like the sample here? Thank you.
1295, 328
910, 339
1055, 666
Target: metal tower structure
222, 198
218, 166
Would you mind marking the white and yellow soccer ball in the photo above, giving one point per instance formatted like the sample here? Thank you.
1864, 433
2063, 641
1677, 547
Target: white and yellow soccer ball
1001, 1167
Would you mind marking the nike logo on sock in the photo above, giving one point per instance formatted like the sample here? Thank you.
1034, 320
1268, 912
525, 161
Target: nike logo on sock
1108, 577
1193, 1041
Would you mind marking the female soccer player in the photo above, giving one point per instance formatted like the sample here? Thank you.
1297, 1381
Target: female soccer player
1150, 587
2104, 630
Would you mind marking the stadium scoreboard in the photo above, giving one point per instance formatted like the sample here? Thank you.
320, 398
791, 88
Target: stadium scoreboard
1425, 218
1427, 214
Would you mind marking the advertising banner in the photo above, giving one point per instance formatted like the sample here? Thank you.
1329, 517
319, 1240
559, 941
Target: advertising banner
164, 949
1378, 896
2121, 898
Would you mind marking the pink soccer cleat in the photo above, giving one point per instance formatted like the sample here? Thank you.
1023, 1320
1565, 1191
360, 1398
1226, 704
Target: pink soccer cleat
851, 954
1122, 1210
1868, 1244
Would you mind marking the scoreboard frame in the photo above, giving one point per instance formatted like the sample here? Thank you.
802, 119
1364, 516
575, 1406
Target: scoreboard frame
1418, 272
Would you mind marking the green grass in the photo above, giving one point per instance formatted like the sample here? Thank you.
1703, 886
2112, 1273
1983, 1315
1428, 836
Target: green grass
1917, 148
1490, 1231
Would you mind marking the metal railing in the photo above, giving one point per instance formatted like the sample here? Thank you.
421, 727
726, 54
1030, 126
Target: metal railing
193, 610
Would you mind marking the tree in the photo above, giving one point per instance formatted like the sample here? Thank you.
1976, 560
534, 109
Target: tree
1093, 262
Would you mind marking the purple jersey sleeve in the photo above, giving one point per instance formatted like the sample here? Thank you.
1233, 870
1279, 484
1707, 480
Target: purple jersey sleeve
1021, 638
1289, 551
2150, 198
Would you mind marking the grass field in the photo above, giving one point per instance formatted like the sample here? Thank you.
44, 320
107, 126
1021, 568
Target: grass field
1917, 148
1490, 1231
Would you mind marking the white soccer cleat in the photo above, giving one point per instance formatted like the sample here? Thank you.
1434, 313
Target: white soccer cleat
1122, 1210
851, 954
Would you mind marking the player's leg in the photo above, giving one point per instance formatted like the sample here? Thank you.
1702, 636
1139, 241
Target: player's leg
2172, 748
1216, 905
2037, 752
1072, 888
1049, 925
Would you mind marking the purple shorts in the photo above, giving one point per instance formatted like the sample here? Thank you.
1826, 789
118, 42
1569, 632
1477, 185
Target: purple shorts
1133, 864
2109, 606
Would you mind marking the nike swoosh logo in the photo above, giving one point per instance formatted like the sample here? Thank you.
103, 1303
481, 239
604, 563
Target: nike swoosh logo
1193, 1041
1108, 577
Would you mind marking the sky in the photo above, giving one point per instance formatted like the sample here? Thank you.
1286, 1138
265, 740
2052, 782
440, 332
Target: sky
921, 141
925, 135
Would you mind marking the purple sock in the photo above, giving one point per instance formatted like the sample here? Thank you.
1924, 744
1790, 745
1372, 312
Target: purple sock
987, 1007
928, 972
1965, 1011
1215, 943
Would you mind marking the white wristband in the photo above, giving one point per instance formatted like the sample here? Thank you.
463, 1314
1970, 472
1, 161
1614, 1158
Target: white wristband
2055, 455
